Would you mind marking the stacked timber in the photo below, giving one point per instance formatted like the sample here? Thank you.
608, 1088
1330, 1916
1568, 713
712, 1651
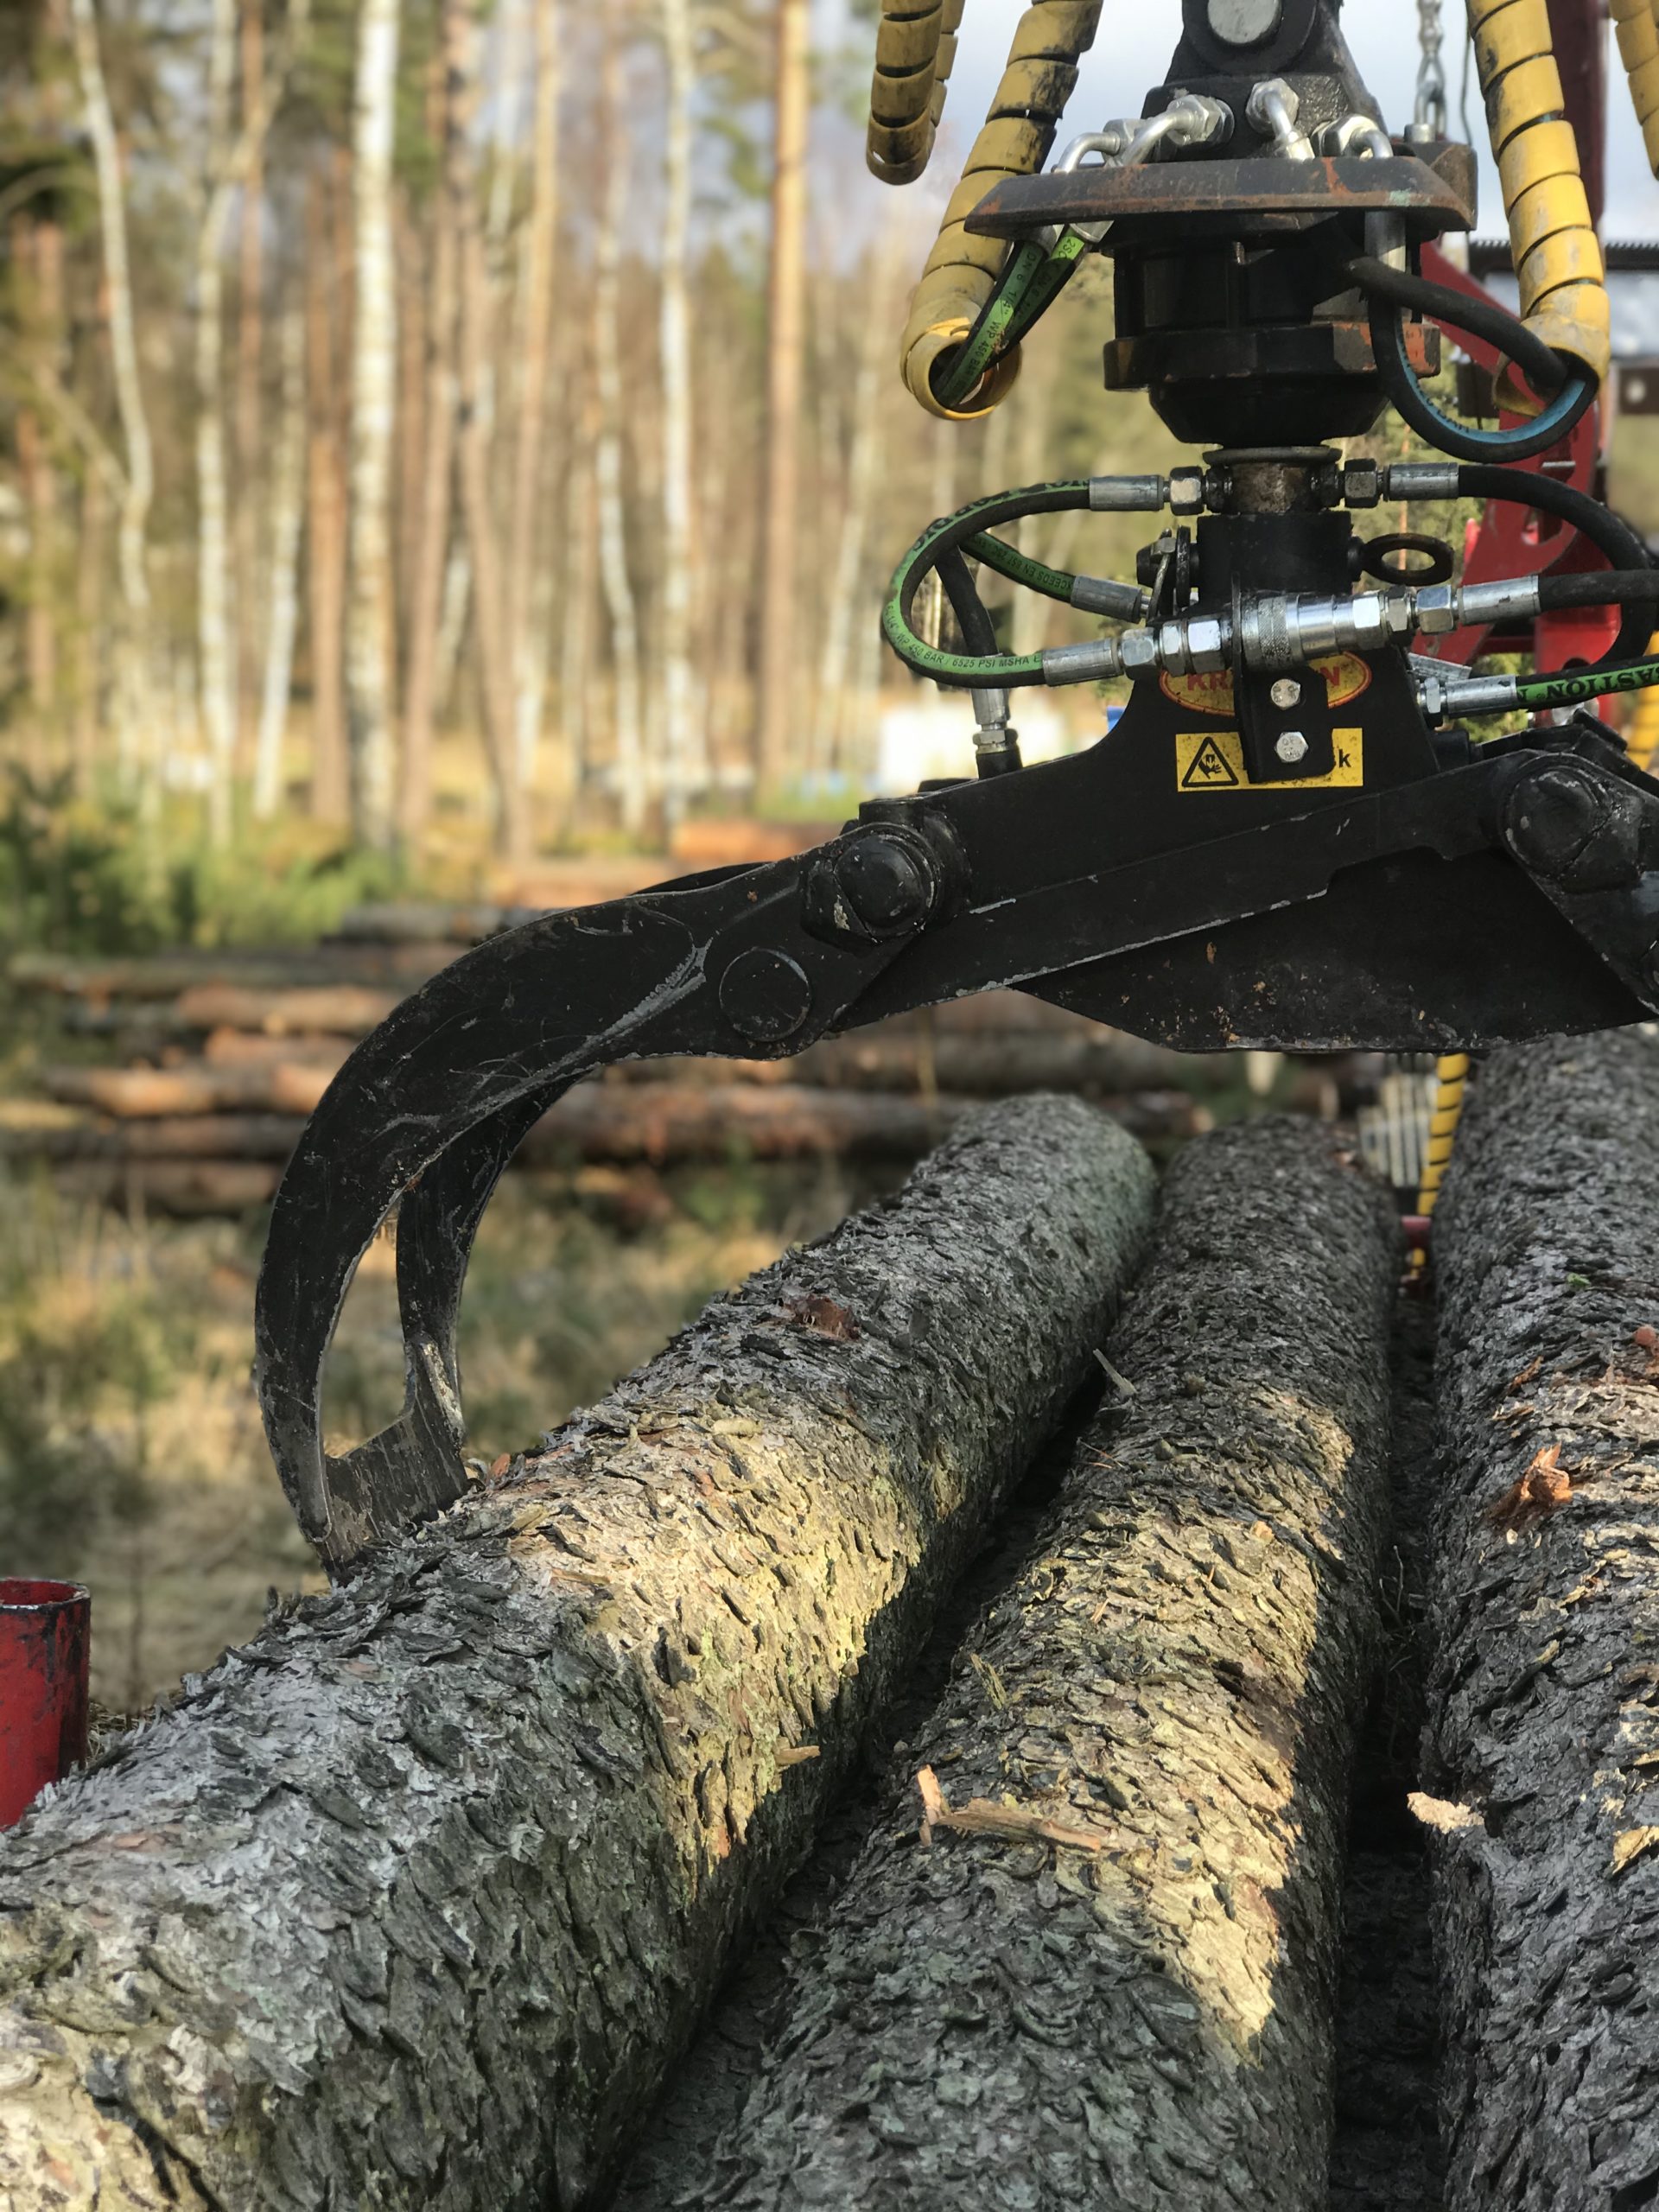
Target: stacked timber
212, 1064
413, 1901
1541, 1797
1087, 1954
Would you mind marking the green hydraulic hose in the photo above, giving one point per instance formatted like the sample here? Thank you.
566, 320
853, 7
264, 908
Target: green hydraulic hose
1020, 568
1032, 279
1000, 671
1572, 686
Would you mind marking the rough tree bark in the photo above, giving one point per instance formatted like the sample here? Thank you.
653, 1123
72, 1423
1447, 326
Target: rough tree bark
1108, 1978
411, 1902
1544, 1699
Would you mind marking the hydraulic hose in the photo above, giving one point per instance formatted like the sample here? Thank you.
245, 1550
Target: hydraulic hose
968, 671
1609, 533
1638, 49
1391, 293
1552, 242
961, 272
915, 47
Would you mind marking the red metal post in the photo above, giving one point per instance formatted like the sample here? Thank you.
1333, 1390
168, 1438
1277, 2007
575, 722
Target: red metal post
45, 1643
1578, 31
1512, 539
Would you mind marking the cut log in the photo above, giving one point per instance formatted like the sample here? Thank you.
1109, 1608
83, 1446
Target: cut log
191, 1087
660, 1124
1540, 1793
1103, 1974
348, 1009
185, 1187
411, 1902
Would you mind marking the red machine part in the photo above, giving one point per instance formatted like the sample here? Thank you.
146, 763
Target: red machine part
1513, 540
45, 1643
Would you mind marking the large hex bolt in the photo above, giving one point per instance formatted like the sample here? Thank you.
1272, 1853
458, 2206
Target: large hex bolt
885, 885
1566, 823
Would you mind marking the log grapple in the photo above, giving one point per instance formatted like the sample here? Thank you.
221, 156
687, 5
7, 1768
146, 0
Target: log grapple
1290, 838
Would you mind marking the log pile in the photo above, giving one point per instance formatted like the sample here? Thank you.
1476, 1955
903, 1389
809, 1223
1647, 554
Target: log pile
413, 1901
1113, 1945
212, 1063
1087, 1867
1541, 1796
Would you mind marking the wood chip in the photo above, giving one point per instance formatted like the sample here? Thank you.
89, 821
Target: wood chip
1629, 1844
1011, 1823
1440, 1814
1545, 1488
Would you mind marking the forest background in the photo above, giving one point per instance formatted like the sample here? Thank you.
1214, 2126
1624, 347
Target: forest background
437, 436
440, 429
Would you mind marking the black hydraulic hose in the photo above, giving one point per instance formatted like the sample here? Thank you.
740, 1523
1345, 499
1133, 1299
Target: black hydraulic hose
1594, 588
1444, 432
1544, 369
1609, 533
978, 631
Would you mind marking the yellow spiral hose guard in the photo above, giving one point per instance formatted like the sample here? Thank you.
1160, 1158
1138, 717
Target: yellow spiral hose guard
1639, 49
961, 272
1553, 243
914, 49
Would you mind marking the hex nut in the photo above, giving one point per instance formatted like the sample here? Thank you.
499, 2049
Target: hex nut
1205, 644
1138, 652
1186, 491
1436, 608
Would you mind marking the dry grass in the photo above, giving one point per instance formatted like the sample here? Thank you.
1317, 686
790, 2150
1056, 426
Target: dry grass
130, 1453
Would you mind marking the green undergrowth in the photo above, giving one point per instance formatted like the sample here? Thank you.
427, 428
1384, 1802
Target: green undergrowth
79, 876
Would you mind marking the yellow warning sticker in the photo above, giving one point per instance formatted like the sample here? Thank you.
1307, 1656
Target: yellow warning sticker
1213, 760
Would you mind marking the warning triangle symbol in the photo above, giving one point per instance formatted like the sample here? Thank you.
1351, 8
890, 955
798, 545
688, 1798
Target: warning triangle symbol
1208, 769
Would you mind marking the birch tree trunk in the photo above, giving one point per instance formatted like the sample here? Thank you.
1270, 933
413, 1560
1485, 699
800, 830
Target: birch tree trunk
684, 772
1104, 1974
490, 617
1543, 1734
432, 551
780, 701
326, 299
287, 518
250, 592
528, 651
863, 464
370, 627
413, 1902
134, 732
216, 670
626, 724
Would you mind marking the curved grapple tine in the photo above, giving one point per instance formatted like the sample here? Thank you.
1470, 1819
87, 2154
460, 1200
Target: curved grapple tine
426, 1114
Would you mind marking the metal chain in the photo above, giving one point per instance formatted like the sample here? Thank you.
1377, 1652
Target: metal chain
1429, 118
